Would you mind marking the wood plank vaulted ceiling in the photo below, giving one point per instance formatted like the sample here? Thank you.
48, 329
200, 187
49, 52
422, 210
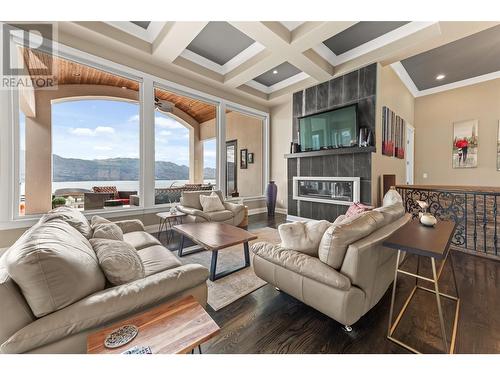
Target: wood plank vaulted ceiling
68, 72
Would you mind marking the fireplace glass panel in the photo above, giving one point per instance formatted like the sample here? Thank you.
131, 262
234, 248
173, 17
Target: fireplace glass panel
332, 190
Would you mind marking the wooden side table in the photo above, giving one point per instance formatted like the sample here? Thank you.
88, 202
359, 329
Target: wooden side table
167, 222
172, 328
434, 243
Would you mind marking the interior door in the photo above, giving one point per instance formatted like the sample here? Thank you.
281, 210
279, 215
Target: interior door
410, 153
231, 167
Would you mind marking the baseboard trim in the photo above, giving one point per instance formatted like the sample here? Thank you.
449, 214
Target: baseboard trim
263, 210
297, 218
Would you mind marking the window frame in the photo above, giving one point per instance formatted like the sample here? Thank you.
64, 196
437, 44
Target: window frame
10, 187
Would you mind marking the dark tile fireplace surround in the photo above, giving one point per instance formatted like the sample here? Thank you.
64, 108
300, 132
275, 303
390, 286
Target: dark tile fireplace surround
356, 87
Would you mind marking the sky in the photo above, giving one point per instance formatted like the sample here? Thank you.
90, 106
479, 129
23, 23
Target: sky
101, 129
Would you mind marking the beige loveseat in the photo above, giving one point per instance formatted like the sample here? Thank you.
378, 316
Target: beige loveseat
348, 272
191, 206
51, 308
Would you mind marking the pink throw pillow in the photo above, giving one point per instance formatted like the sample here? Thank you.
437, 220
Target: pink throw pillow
357, 208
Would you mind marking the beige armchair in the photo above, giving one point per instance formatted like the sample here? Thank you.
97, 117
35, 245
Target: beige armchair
191, 206
347, 273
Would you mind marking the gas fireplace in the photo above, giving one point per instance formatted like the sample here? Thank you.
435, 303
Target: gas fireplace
333, 190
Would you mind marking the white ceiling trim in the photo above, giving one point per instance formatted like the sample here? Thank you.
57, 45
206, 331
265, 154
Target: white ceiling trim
236, 61
406, 79
381, 41
291, 25
277, 86
148, 35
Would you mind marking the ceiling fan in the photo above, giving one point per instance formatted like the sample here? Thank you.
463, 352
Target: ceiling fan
164, 105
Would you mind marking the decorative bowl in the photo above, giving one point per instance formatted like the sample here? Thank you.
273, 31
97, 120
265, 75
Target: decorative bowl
121, 336
428, 220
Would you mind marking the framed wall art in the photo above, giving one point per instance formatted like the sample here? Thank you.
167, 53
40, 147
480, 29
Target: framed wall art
465, 139
243, 158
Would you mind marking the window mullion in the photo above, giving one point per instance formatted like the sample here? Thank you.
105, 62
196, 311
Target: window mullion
147, 143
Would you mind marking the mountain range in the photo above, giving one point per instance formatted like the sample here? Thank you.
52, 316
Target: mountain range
116, 169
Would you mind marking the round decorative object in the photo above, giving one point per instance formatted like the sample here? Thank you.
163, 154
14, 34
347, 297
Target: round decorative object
428, 220
271, 194
121, 336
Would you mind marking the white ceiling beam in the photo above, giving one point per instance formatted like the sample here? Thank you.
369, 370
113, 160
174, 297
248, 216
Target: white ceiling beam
310, 34
252, 68
174, 38
276, 38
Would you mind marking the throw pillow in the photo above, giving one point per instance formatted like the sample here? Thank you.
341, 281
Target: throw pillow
109, 231
391, 197
103, 228
118, 260
71, 216
356, 208
211, 203
303, 236
337, 238
339, 219
98, 220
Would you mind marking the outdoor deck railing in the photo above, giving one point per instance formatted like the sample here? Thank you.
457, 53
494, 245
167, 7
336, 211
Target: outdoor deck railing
474, 209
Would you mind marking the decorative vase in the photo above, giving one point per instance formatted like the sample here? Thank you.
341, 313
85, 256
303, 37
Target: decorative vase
271, 194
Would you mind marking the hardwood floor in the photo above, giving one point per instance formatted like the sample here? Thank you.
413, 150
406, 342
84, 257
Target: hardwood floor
268, 321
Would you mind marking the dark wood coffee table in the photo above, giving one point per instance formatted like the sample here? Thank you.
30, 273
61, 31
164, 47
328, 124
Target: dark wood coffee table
433, 243
172, 328
214, 237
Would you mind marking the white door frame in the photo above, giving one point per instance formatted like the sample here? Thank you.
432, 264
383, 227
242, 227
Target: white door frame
410, 154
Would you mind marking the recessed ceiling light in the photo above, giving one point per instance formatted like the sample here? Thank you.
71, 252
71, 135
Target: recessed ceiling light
76, 74
124, 87
439, 77
275, 71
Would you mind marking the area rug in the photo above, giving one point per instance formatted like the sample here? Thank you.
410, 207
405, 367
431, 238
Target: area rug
228, 289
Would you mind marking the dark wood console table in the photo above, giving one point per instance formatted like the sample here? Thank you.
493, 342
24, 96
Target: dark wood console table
433, 243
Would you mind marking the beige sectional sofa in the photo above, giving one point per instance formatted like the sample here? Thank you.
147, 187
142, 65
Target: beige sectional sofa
53, 292
190, 205
345, 273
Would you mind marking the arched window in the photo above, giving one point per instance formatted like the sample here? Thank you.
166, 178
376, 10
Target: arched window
95, 149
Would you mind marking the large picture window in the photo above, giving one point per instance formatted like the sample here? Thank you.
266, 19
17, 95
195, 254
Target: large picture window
180, 154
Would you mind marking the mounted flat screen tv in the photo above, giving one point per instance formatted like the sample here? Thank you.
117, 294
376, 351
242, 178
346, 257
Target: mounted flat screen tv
331, 129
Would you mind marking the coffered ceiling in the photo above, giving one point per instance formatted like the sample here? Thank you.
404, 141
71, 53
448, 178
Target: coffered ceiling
266, 61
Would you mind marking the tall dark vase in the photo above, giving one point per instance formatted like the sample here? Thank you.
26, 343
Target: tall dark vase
271, 194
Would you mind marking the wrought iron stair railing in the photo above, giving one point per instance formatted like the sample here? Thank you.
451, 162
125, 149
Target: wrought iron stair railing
475, 210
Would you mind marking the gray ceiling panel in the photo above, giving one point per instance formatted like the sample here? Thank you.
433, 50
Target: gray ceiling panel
284, 71
143, 24
359, 34
465, 58
219, 42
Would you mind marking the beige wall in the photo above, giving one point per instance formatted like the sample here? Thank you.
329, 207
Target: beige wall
248, 131
434, 118
391, 92
281, 136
